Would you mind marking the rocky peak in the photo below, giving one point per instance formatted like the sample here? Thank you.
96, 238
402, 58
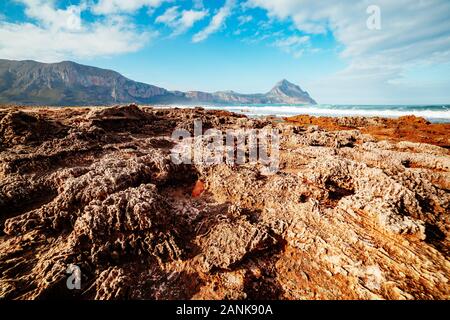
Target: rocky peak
287, 90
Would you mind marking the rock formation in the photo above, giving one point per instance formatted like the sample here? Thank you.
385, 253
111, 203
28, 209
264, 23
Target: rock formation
408, 128
347, 216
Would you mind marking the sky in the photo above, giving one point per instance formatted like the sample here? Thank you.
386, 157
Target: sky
341, 52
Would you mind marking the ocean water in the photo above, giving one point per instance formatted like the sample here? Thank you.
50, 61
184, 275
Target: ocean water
433, 113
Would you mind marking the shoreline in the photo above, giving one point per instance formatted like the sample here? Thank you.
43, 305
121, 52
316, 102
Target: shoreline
286, 111
407, 128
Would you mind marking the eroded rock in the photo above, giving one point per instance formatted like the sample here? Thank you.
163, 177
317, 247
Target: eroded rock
347, 216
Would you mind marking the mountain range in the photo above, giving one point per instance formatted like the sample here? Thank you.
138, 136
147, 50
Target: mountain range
68, 83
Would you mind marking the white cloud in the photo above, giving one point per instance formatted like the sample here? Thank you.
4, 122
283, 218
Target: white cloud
28, 41
411, 31
413, 34
106, 7
244, 19
294, 45
57, 34
169, 16
292, 41
181, 21
217, 21
189, 17
45, 13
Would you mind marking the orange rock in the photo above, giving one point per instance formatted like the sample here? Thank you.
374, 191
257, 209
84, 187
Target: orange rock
406, 128
198, 189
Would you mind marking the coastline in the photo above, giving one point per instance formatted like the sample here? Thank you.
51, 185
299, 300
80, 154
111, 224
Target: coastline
356, 202
433, 113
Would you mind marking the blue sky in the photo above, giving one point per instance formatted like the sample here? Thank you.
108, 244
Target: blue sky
324, 46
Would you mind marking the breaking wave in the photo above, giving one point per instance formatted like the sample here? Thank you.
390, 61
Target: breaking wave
435, 113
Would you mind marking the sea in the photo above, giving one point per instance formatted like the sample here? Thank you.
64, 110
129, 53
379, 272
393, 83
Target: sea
433, 113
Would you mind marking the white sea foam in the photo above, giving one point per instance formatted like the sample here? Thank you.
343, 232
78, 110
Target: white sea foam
442, 114
433, 113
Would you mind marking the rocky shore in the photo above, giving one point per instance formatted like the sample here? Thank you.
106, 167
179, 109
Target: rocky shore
359, 208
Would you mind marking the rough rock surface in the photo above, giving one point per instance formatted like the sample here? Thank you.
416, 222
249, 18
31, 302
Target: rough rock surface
347, 216
409, 128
